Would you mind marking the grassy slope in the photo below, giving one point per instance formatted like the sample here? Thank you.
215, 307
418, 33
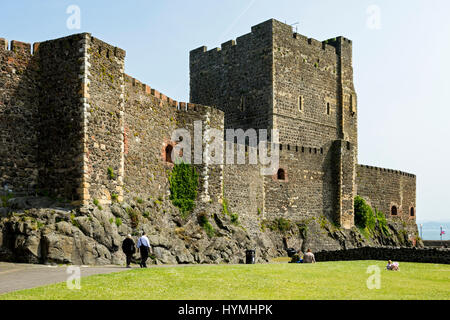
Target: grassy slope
329, 280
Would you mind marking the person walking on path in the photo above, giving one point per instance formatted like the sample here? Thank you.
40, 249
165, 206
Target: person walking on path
144, 248
309, 257
129, 249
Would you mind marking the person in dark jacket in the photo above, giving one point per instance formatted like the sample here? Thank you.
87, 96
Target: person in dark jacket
129, 249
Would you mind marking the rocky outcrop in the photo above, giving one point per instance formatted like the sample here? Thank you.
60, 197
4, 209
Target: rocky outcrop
40, 230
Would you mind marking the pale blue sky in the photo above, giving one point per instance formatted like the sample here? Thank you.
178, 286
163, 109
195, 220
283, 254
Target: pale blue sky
401, 71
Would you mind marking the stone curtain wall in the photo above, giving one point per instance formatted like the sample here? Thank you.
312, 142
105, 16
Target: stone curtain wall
211, 175
427, 255
150, 120
243, 190
104, 117
60, 116
19, 102
308, 190
236, 78
384, 188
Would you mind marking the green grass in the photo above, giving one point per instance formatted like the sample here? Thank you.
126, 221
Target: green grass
328, 280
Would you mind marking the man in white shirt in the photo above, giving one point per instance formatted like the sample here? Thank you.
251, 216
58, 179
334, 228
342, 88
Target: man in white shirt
143, 246
309, 257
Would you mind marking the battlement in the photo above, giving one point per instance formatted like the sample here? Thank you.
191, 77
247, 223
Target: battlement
279, 29
180, 106
15, 46
257, 32
384, 170
107, 50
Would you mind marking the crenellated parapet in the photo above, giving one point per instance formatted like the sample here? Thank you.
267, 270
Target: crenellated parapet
384, 170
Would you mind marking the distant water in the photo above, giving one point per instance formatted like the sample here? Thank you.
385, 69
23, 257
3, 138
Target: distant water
431, 230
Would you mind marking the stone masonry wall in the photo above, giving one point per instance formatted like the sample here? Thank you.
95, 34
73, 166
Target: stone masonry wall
60, 116
150, 120
308, 189
243, 191
104, 108
385, 188
19, 102
236, 78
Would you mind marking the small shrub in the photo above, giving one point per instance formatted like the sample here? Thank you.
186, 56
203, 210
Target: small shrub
111, 220
282, 225
118, 222
146, 214
323, 222
73, 221
134, 217
206, 225
5, 199
111, 174
303, 230
96, 202
225, 207
234, 218
139, 200
40, 225
382, 223
115, 197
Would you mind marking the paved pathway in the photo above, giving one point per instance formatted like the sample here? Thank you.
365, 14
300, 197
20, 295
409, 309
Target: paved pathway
14, 276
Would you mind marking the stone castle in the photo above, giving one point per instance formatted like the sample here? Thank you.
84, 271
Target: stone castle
75, 126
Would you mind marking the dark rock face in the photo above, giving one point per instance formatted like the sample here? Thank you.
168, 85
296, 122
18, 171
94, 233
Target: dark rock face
90, 236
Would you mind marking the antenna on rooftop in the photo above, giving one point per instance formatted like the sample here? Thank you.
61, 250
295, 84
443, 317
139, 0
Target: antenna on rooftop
295, 24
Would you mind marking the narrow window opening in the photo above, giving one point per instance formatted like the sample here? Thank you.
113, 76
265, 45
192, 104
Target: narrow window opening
281, 174
300, 103
328, 108
394, 211
168, 154
242, 104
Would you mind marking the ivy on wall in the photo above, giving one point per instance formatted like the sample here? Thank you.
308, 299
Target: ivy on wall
183, 182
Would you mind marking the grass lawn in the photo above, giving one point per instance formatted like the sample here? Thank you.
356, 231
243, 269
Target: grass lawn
327, 280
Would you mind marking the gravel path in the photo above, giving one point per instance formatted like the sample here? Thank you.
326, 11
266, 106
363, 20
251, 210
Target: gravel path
14, 277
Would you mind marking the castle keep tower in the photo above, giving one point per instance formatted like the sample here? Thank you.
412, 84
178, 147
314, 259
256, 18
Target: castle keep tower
273, 78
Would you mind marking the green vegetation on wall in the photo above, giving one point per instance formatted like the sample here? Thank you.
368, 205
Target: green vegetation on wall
367, 220
206, 225
233, 216
183, 187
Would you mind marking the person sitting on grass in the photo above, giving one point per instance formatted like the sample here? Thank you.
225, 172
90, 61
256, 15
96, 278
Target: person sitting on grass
309, 257
393, 266
297, 258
